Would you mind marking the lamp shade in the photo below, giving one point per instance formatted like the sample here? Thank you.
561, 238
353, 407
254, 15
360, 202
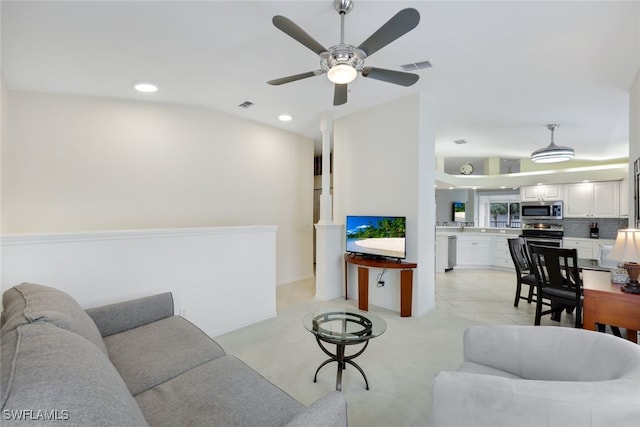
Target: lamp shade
627, 246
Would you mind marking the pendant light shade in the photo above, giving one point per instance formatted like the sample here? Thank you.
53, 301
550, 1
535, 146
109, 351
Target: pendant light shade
552, 153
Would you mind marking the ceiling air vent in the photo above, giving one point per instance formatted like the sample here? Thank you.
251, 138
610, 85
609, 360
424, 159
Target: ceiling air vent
246, 104
460, 141
416, 66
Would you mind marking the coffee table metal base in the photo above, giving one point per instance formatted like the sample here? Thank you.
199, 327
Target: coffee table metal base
342, 361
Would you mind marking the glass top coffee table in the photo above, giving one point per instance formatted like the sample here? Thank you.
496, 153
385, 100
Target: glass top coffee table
343, 327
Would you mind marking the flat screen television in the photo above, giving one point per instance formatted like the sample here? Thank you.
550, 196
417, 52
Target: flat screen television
376, 236
458, 212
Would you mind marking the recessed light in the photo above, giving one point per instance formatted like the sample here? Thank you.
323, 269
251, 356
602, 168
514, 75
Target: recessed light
285, 118
145, 87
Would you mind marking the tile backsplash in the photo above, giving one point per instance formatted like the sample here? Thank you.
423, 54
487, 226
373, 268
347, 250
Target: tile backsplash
579, 227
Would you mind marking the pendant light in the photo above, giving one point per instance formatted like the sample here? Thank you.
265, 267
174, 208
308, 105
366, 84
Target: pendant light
552, 153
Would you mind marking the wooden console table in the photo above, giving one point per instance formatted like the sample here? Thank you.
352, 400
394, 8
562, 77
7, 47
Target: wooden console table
406, 280
604, 302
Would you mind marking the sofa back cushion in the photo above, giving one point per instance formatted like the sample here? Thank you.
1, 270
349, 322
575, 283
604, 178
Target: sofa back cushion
28, 303
551, 353
48, 373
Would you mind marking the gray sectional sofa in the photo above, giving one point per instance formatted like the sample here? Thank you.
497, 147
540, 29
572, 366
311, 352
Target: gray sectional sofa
132, 364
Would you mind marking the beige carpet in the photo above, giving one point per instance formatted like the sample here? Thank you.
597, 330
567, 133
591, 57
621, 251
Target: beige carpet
399, 364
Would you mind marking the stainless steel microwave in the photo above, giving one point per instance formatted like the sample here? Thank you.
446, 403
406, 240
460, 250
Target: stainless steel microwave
541, 210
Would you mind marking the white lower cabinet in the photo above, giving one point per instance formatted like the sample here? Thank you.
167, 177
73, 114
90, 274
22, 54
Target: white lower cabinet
474, 251
584, 247
502, 255
587, 248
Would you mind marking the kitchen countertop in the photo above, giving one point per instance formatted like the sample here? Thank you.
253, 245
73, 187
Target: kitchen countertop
588, 239
478, 231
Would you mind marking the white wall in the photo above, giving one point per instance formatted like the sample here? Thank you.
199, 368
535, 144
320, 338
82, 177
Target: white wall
444, 204
384, 160
74, 163
221, 278
634, 143
4, 132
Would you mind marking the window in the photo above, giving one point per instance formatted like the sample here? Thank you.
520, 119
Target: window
499, 211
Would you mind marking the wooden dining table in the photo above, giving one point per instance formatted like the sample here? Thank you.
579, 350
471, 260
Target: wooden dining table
605, 303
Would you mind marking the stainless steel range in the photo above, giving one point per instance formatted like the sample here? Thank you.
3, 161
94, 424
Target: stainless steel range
543, 233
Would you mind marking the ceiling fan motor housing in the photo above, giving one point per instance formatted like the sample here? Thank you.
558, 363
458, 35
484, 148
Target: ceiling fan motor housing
342, 54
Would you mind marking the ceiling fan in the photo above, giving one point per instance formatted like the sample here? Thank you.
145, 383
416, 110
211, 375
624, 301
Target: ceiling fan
342, 62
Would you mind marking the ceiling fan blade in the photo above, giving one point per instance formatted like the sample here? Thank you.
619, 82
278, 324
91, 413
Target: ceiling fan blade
340, 94
295, 77
289, 27
390, 76
400, 24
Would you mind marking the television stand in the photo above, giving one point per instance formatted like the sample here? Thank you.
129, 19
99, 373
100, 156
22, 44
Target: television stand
364, 263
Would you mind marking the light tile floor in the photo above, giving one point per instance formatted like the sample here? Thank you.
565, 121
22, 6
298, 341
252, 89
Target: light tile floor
482, 295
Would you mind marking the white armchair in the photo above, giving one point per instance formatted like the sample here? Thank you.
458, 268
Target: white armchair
540, 376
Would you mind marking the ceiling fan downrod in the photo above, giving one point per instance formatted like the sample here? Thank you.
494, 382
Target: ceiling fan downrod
343, 7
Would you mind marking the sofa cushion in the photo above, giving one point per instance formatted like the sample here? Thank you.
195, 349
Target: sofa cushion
330, 410
223, 392
156, 352
27, 303
119, 317
49, 372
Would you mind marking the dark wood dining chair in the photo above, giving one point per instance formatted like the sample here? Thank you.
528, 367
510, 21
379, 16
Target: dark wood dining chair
558, 280
524, 275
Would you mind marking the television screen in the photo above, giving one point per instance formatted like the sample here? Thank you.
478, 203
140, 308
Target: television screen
459, 211
380, 236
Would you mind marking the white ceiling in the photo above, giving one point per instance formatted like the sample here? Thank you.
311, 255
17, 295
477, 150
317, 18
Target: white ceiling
501, 70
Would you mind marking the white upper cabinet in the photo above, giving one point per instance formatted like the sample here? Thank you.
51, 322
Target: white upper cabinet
624, 198
535, 193
592, 199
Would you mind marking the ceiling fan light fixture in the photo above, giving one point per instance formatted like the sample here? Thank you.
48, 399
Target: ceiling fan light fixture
342, 74
552, 153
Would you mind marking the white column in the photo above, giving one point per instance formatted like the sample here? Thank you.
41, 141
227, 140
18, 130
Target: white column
326, 125
634, 146
329, 236
492, 166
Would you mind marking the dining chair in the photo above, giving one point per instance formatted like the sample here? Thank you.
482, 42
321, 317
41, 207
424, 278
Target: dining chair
558, 280
524, 275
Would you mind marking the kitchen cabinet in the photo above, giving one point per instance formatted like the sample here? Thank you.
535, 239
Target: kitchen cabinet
587, 248
584, 247
598, 244
474, 251
502, 255
624, 198
536, 193
592, 200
